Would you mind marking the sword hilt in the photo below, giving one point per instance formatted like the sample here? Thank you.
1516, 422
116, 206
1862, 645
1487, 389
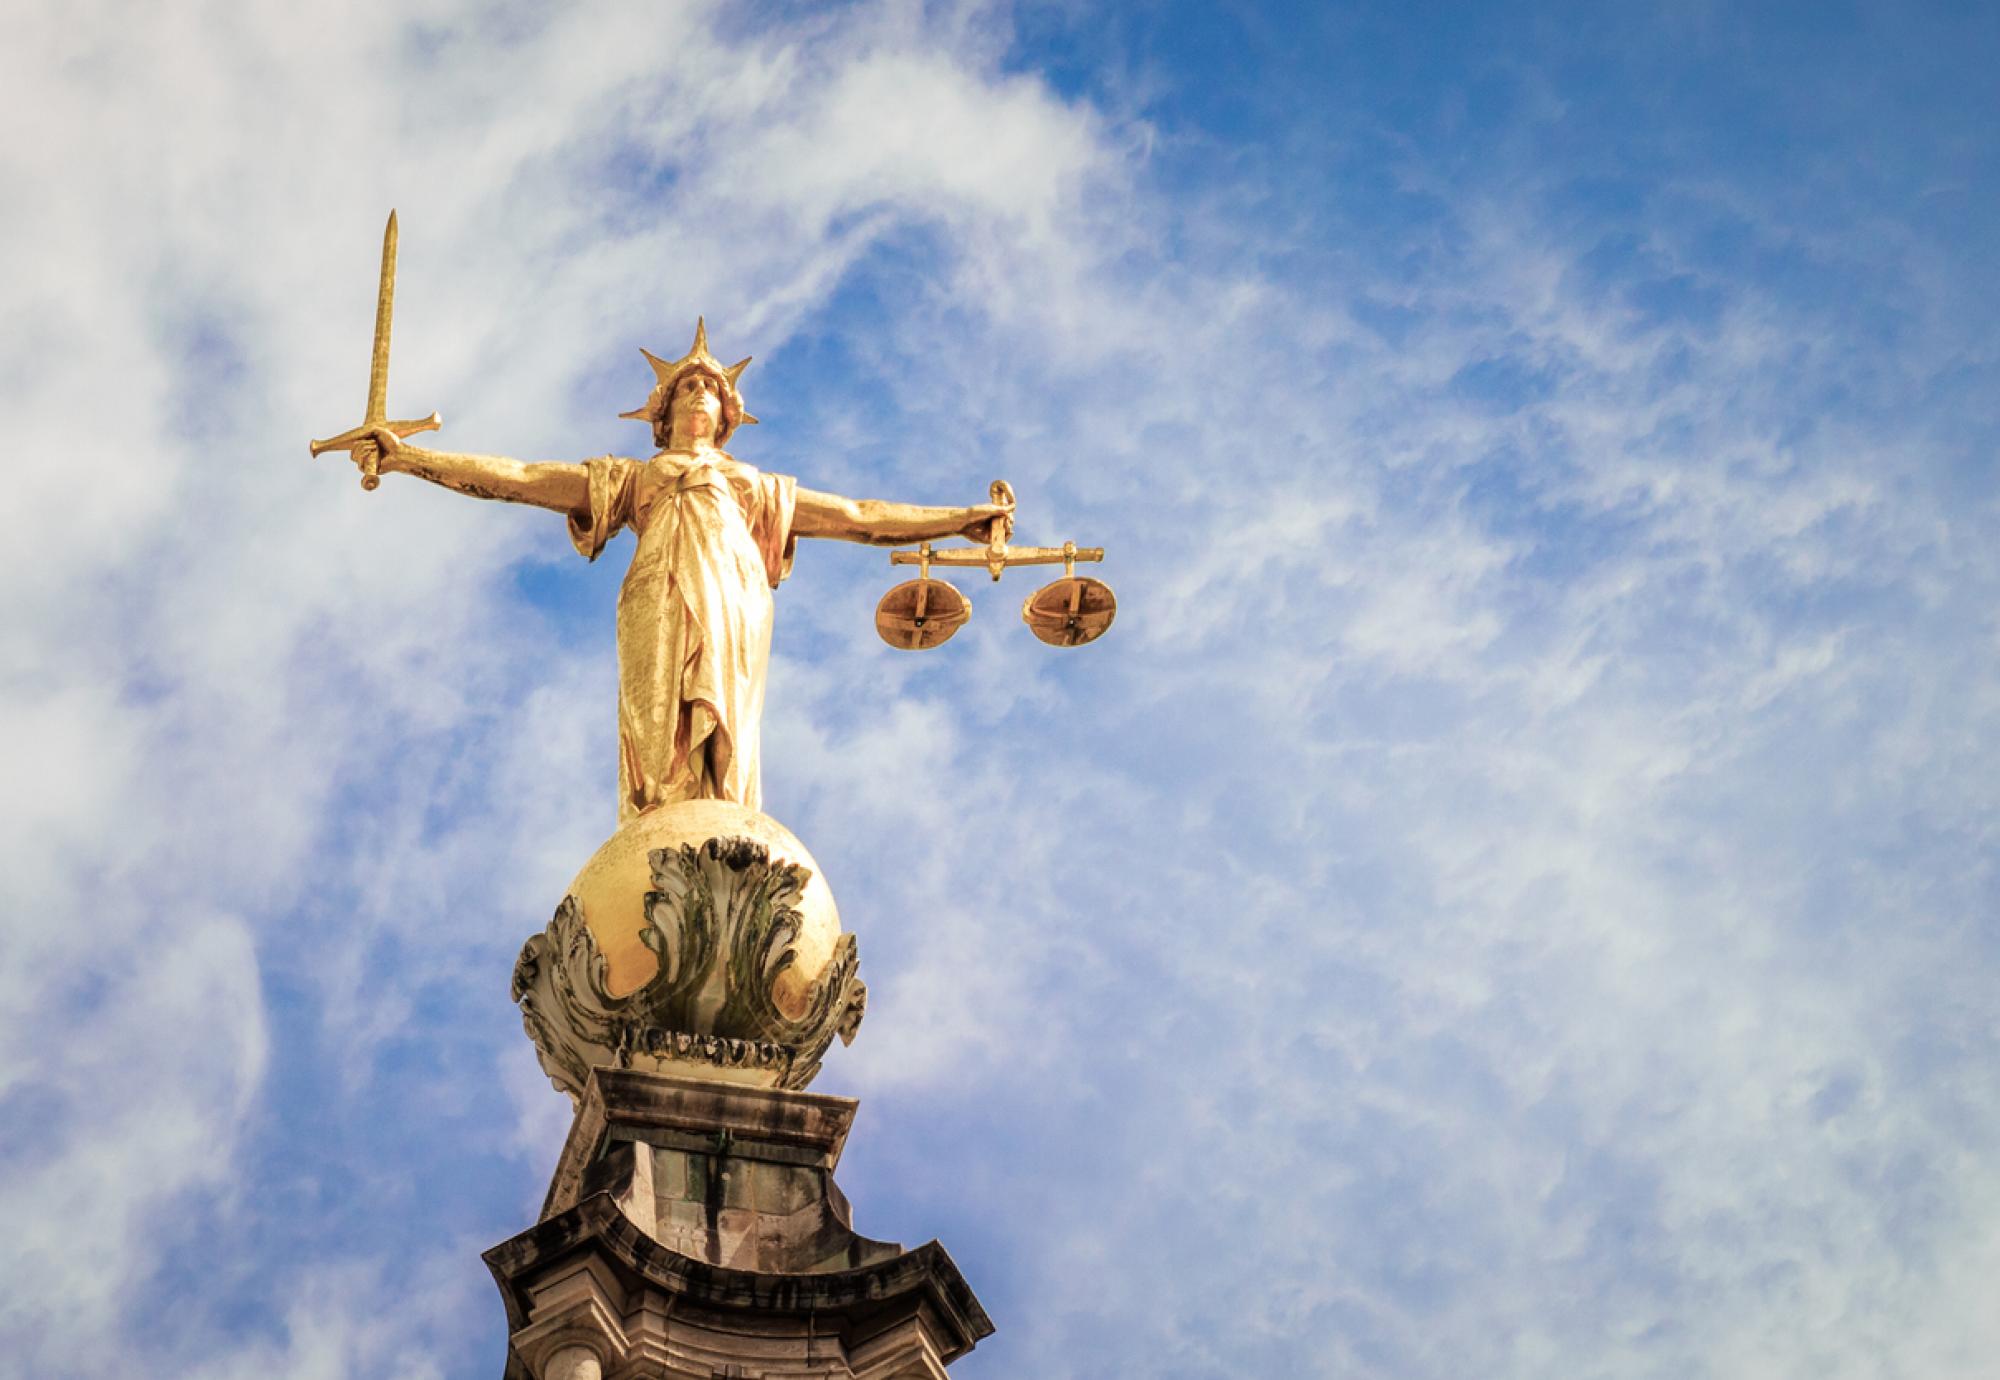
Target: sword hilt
370, 464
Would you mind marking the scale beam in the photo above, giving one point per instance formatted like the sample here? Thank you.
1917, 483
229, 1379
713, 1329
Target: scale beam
1066, 554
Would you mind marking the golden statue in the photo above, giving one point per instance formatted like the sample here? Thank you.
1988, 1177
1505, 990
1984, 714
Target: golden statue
702, 935
715, 536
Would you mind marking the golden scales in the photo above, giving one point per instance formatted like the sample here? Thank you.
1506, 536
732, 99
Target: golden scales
922, 613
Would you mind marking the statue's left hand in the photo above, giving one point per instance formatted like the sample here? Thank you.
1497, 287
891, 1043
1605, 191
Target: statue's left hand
988, 522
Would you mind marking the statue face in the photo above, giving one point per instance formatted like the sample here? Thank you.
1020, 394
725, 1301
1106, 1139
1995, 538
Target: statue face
696, 406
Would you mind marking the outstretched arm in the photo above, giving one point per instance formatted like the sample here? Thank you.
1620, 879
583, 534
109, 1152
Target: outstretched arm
880, 523
546, 484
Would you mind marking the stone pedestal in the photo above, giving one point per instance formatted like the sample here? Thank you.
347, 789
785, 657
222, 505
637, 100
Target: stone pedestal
693, 1230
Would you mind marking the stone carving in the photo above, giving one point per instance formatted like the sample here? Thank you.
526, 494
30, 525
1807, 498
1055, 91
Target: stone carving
695, 1230
722, 919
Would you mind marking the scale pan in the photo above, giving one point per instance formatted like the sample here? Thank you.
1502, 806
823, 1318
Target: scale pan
1072, 611
919, 614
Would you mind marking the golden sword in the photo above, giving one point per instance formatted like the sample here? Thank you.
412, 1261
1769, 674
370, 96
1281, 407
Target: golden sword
378, 378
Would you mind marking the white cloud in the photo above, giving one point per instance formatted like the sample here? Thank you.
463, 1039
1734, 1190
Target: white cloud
1507, 897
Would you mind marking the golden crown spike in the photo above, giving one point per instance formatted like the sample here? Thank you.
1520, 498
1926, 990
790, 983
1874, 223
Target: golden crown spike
667, 373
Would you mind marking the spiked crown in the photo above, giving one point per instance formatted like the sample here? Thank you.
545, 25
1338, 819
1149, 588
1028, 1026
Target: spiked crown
697, 359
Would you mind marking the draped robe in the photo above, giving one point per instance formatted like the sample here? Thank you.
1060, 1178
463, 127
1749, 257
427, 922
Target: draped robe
694, 618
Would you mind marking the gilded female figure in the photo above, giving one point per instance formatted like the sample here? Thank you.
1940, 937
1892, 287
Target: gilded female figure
715, 536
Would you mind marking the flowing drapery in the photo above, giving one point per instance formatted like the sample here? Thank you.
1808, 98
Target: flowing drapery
694, 618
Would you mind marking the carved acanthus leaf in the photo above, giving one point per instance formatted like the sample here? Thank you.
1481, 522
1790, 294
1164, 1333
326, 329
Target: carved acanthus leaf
721, 910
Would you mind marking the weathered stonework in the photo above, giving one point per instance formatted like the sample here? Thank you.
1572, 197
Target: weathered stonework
694, 1230
726, 1000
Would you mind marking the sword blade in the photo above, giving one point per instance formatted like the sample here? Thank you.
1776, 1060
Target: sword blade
385, 306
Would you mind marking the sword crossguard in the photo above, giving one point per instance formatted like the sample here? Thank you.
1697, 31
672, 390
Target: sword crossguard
349, 440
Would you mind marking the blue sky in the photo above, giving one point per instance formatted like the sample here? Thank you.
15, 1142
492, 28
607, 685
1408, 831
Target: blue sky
1514, 896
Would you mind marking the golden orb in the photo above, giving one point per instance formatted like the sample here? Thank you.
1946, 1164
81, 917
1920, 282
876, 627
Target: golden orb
613, 885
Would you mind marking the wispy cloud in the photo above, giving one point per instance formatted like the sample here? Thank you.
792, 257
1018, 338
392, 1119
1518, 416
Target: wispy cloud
1513, 895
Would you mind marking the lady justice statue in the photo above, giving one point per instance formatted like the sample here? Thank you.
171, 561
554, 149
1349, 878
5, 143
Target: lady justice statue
715, 536
701, 938
699, 945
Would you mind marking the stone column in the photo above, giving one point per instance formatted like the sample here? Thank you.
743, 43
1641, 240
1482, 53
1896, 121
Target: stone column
693, 1230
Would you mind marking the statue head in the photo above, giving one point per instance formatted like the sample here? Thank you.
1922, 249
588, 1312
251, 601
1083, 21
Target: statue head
669, 375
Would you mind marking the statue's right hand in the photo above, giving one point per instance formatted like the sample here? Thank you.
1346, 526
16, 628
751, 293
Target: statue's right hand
385, 443
375, 455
